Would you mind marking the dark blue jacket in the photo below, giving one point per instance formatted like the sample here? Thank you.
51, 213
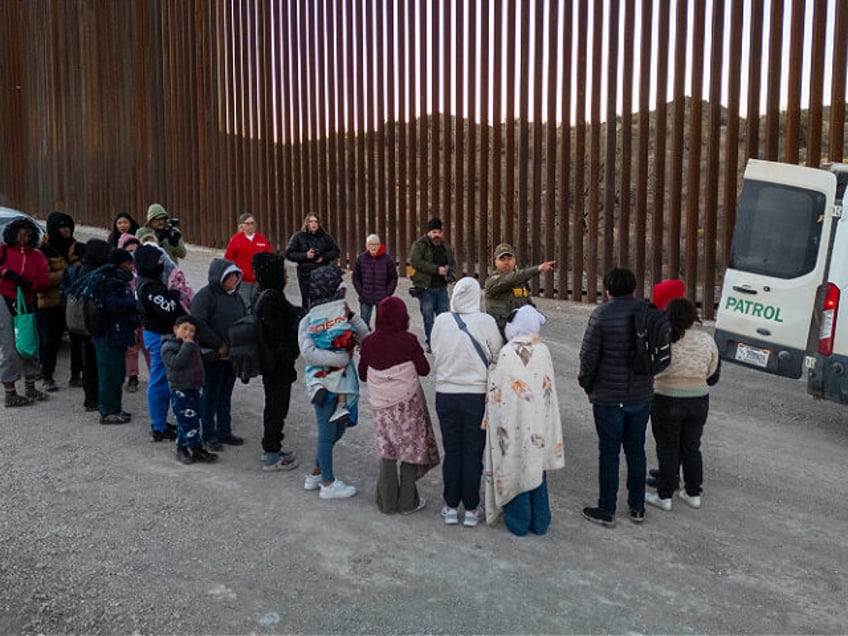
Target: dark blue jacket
121, 310
216, 309
608, 347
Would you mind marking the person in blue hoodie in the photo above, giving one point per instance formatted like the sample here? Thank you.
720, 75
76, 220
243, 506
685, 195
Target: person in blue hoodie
159, 308
215, 307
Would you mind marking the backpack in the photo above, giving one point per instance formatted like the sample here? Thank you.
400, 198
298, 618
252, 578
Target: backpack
249, 352
653, 340
85, 304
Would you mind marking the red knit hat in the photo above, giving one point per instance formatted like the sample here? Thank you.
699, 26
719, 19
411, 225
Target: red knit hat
667, 290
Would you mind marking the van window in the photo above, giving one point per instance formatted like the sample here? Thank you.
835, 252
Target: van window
778, 230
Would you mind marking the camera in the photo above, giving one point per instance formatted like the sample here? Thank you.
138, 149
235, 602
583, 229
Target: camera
172, 224
451, 275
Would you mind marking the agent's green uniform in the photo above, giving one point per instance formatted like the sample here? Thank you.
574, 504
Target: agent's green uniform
505, 292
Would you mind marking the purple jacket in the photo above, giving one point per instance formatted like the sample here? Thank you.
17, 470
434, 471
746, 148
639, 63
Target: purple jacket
374, 278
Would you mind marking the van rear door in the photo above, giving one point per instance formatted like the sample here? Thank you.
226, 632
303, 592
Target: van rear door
778, 258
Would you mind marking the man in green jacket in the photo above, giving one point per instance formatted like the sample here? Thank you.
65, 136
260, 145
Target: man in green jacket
506, 286
432, 266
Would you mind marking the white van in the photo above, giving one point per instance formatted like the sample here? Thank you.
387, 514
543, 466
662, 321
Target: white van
779, 308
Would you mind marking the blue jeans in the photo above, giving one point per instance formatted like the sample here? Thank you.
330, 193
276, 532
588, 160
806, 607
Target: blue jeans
460, 415
365, 310
217, 394
433, 301
530, 511
329, 434
187, 411
621, 426
158, 394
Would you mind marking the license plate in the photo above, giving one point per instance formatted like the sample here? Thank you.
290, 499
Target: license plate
752, 355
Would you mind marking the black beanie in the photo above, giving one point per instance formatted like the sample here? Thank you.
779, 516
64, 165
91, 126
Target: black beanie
269, 270
119, 255
434, 224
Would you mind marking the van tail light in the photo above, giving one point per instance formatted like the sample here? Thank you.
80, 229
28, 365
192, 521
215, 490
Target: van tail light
828, 325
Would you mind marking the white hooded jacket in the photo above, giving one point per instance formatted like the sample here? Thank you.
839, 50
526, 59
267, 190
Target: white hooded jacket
459, 368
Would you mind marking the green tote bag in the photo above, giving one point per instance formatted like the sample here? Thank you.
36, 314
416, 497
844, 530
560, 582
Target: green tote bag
26, 331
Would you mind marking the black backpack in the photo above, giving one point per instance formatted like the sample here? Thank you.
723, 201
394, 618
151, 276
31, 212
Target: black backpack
249, 352
653, 340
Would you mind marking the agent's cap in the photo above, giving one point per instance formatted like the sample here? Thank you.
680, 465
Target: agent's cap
503, 249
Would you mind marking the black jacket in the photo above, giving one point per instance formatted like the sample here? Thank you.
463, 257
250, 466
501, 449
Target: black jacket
159, 306
608, 347
299, 245
216, 309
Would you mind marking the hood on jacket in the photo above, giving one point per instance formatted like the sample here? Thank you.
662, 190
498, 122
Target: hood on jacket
10, 232
96, 252
324, 283
219, 269
466, 296
55, 222
379, 253
127, 239
147, 259
269, 270
123, 215
154, 211
392, 315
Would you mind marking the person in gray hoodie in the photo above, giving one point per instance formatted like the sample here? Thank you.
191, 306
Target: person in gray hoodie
465, 342
215, 307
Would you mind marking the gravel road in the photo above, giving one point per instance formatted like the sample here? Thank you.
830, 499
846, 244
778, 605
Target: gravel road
103, 532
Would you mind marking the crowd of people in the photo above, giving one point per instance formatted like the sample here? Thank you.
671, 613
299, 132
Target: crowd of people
496, 398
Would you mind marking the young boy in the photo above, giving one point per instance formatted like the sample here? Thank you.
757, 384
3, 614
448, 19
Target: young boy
330, 329
184, 368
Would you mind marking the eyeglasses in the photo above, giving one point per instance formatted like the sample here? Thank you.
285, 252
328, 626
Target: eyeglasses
249, 223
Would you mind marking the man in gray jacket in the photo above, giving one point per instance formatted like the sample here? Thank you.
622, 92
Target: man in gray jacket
621, 399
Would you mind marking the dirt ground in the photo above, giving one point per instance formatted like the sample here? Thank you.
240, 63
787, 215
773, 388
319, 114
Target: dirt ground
104, 532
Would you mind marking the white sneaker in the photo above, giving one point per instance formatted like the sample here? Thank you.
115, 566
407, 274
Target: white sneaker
337, 490
450, 515
341, 412
693, 501
282, 464
655, 500
312, 482
473, 517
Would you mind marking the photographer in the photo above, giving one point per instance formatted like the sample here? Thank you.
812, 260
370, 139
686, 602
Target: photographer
167, 231
310, 248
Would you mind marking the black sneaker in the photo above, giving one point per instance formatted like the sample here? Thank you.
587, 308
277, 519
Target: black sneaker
132, 384
320, 395
637, 516
200, 454
114, 418
127, 415
215, 445
596, 516
90, 408
654, 472
184, 456
75, 382
231, 440
170, 433
158, 436
171, 427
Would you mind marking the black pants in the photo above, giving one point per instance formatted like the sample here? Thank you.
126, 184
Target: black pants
51, 325
677, 424
303, 283
90, 378
277, 387
460, 415
393, 494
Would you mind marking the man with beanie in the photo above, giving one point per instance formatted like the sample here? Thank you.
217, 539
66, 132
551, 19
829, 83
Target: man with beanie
216, 307
280, 321
506, 286
111, 345
432, 265
166, 230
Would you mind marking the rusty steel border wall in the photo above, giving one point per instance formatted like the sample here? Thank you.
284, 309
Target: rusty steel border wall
282, 108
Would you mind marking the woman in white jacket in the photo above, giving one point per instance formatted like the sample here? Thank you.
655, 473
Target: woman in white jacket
465, 342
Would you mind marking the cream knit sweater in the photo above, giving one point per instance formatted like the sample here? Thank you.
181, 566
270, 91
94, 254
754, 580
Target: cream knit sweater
694, 358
